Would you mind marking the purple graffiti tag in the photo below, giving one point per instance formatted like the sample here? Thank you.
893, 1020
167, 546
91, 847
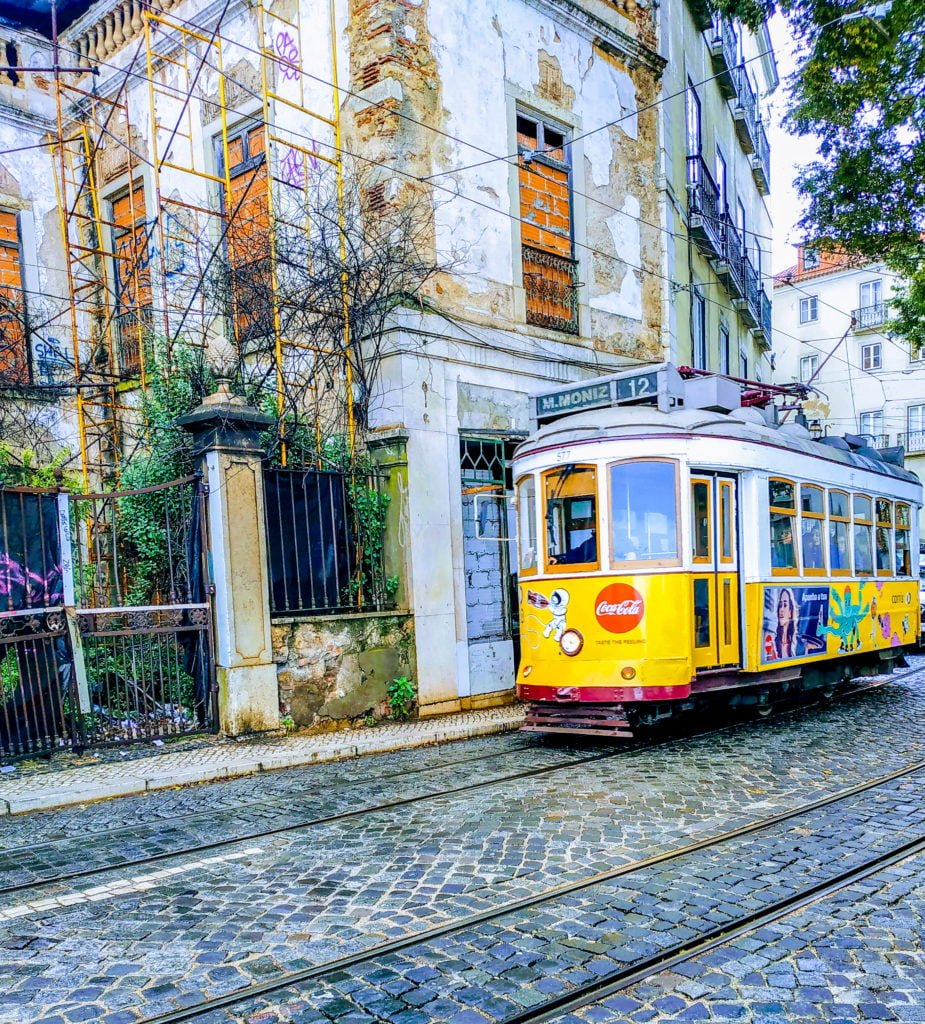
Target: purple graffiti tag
37, 590
289, 56
292, 169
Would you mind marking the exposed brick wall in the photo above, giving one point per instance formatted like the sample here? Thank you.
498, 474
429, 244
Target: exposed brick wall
545, 207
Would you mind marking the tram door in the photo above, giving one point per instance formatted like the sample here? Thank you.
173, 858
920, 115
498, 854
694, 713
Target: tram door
715, 570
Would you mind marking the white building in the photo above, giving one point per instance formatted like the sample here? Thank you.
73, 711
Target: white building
831, 331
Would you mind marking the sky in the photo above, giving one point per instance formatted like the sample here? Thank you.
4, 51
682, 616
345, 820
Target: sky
788, 152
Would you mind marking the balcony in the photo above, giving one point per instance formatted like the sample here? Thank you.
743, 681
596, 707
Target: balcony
868, 317
744, 109
763, 330
724, 49
707, 216
551, 285
913, 442
749, 305
877, 440
732, 267
701, 13
761, 160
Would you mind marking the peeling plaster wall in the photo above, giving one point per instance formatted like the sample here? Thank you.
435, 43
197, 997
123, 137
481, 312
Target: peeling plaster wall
27, 186
517, 54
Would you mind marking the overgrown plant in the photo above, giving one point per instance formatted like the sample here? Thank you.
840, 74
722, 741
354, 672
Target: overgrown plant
402, 698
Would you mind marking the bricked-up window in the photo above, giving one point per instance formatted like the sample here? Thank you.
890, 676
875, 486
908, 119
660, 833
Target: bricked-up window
14, 349
131, 258
550, 272
248, 235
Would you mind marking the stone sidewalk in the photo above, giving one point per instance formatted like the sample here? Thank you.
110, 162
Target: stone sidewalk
223, 759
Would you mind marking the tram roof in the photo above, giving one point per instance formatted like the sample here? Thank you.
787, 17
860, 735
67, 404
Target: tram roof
746, 425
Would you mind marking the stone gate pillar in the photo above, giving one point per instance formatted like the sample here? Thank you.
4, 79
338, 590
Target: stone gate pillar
226, 431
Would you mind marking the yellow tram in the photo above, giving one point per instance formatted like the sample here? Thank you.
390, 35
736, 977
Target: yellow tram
674, 545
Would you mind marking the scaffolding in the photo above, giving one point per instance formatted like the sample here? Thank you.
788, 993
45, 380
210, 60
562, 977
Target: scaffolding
98, 274
227, 164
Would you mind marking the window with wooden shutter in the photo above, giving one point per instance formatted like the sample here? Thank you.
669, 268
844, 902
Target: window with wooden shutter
550, 273
131, 258
248, 235
14, 350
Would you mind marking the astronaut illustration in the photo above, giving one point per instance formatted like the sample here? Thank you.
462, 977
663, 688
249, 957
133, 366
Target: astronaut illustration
558, 604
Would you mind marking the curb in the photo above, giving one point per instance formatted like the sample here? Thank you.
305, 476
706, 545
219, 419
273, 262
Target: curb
231, 763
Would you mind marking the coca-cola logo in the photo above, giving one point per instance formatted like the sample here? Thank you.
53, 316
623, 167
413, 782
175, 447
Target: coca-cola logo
619, 608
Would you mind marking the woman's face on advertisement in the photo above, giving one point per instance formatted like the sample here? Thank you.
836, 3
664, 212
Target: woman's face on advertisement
785, 607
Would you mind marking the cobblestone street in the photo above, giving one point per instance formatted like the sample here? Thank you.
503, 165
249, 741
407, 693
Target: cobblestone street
758, 871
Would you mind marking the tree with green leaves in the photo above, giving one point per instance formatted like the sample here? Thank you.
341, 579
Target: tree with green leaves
859, 86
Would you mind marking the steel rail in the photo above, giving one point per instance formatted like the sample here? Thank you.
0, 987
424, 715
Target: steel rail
608, 984
215, 844
293, 978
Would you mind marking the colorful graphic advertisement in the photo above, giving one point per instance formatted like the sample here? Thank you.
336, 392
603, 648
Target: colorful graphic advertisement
795, 623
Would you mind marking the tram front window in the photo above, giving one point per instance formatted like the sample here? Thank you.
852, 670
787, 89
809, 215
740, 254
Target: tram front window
643, 509
571, 516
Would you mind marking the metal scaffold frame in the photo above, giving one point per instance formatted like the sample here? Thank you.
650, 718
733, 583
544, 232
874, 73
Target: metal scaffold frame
190, 206
92, 264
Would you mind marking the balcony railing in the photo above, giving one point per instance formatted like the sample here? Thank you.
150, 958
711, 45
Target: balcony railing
708, 218
761, 160
724, 49
870, 316
744, 109
551, 284
877, 440
913, 442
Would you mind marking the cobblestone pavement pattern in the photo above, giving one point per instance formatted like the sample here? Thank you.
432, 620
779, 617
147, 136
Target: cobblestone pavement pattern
314, 894
853, 957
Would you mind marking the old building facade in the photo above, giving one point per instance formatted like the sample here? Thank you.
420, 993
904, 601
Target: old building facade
582, 216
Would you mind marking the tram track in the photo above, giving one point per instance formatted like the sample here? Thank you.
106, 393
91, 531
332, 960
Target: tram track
608, 985
312, 822
598, 988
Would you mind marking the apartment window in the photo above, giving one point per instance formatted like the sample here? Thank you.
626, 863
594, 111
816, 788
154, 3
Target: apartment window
871, 425
743, 362
870, 294
698, 330
741, 225
721, 176
550, 271
132, 274
694, 134
871, 356
809, 309
808, 367
915, 418
810, 259
248, 235
724, 352
14, 349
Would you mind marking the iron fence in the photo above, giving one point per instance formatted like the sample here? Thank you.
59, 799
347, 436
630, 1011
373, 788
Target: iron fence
325, 533
142, 611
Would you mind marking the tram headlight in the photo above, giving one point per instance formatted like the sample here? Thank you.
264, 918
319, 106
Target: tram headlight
571, 642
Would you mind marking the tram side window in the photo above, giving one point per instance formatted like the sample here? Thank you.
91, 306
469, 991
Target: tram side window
783, 513
863, 548
526, 523
643, 509
571, 516
903, 557
839, 521
884, 537
812, 522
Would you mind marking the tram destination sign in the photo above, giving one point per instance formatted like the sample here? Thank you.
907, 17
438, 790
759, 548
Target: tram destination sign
598, 395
